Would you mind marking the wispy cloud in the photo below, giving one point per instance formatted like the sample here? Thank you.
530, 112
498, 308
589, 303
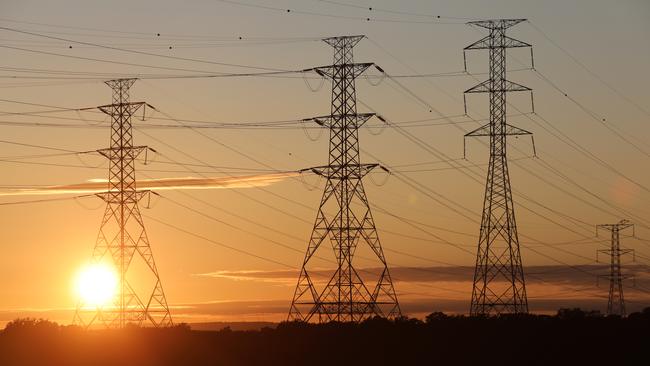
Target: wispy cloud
284, 277
551, 279
101, 185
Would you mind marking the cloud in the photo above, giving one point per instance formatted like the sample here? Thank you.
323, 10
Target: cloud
423, 290
101, 185
453, 283
284, 277
561, 275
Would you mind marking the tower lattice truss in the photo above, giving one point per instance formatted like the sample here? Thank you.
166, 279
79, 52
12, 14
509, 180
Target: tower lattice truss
616, 299
122, 241
344, 224
499, 285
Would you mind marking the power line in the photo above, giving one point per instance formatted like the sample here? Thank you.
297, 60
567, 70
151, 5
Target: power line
557, 133
547, 218
389, 11
562, 176
209, 74
259, 224
157, 44
154, 35
294, 124
474, 177
213, 140
43, 200
420, 100
43, 147
588, 70
582, 150
329, 15
280, 244
92, 76
593, 115
144, 53
191, 233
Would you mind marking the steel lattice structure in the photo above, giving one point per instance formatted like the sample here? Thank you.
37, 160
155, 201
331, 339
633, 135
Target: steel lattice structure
122, 235
344, 214
616, 300
499, 285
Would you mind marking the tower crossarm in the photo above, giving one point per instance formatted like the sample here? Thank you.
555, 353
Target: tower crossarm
510, 130
621, 251
124, 152
120, 109
484, 44
353, 171
116, 197
487, 131
496, 23
344, 41
488, 86
621, 225
354, 120
342, 71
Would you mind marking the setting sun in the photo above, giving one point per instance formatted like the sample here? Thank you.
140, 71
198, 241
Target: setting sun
96, 285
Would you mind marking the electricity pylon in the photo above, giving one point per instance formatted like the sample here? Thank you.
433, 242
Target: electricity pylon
616, 301
344, 214
499, 285
122, 236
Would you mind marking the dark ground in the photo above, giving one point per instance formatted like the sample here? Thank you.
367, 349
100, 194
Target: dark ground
572, 337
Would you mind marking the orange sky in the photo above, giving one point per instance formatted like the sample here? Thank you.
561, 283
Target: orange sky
45, 244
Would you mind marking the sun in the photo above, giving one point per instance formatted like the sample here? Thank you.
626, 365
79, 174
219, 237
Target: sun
96, 285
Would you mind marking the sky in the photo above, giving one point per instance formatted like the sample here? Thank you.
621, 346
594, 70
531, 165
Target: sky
590, 132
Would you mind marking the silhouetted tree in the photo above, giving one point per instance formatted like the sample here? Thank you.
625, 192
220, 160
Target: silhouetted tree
435, 316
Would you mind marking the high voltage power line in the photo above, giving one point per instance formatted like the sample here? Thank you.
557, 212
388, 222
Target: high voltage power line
588, 70
574, 289
454, 206
591, 156
527, 116
426, 104
267, 69
285, 265
337, 16
572, 253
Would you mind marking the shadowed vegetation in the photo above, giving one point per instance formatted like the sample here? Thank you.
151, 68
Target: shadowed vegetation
572, 336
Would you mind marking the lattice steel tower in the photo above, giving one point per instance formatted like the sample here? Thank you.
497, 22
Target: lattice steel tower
122, 236
499, 285
616, 301
344, 214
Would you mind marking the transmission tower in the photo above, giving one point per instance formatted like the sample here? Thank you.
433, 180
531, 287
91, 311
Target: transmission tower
499, 285
344, 214
122, 236
616, 301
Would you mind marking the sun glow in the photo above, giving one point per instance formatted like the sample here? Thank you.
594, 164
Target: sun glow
96, 285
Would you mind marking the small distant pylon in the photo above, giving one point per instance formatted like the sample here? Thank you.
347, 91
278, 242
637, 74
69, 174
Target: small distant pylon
499, 286
122, 236
344, 218
616, 300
